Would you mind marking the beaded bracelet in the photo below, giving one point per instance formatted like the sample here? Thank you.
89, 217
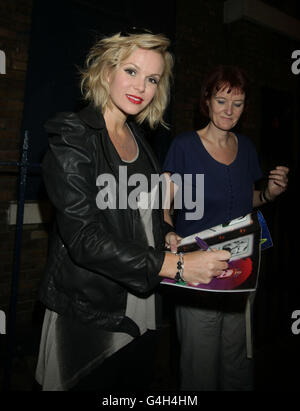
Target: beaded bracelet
180, 268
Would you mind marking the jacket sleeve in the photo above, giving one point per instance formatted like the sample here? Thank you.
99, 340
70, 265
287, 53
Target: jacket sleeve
69, 176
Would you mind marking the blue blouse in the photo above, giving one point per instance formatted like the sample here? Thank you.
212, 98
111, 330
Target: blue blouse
228, 189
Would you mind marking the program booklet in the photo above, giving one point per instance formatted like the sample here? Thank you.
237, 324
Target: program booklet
244, 237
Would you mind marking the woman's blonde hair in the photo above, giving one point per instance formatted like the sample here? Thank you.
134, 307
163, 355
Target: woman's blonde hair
108, 53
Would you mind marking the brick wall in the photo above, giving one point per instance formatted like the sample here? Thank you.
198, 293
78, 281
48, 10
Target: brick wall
198, 47
15, 22
203, 41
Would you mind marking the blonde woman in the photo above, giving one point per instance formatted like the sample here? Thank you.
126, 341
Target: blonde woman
106, 253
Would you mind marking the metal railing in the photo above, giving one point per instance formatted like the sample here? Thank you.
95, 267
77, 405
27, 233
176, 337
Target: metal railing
10, 344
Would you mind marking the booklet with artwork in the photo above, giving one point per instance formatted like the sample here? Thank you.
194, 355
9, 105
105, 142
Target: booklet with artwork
244, 237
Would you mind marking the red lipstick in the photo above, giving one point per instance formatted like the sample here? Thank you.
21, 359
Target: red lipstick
134, 99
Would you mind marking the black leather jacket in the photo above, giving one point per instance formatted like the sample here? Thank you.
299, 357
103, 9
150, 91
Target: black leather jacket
94, 255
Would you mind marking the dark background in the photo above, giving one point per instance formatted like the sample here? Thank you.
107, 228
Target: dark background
59, 44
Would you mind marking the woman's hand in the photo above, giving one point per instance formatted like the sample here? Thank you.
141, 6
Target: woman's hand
172, 241
277, 183
202, 266
199, 266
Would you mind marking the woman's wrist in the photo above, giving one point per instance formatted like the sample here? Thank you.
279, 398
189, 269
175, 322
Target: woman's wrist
264, 197
173, 266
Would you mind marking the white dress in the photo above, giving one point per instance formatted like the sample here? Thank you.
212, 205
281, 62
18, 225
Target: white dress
61, 362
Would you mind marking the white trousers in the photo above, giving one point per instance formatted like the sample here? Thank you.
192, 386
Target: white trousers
213, 349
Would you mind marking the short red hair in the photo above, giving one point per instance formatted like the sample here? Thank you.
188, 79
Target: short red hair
219, 78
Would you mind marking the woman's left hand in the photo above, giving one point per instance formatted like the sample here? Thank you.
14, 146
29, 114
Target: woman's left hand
278, 182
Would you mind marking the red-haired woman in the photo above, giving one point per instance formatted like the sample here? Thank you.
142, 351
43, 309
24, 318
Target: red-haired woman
211, 326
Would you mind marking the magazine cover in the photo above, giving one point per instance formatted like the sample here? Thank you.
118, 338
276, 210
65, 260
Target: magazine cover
244, 237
